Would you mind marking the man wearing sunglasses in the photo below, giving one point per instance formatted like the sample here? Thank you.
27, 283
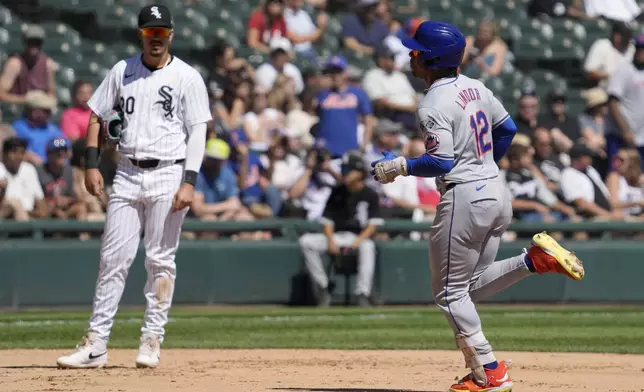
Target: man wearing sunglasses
155, 109
466, 131
30, 70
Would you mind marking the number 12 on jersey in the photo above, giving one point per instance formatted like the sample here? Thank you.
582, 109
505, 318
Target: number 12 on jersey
481, 128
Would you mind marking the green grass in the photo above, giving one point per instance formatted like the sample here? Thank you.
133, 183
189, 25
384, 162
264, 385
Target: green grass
524, 328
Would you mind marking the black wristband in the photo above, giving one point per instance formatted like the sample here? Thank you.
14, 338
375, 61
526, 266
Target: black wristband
190, 177
91, 157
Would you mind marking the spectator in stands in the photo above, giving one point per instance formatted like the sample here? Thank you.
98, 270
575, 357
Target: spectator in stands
387, 138
35, 125
557, 8
95, 205
301, 120
340, 109
531, 199
6, 131
619, 10
363, 32
234, 103
30, 70
57, 180
485, 53
606, 54
74, 120
256, 191
283, 96
526, 119
313, 187
564, 129
546, 160
278, 64
584, 189
228, 67
394, 42
351, 217
266, 23
216, 192
261, 120
593, 120
20, 191
626, 94
390, 92
283, 167
301, 30
625, 183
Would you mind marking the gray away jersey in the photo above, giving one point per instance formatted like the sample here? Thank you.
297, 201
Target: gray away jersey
456, 119
159, 106
627, 85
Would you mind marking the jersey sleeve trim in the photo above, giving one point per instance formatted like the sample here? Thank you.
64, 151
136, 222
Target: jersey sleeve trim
327, 221
504, 119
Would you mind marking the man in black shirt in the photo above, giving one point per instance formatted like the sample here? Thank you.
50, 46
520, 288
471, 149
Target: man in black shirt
350, 219
531, 199
526, 118
563, 128
547, 161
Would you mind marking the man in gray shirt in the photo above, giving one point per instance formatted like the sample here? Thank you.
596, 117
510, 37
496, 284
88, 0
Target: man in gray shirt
626, 94
57, 181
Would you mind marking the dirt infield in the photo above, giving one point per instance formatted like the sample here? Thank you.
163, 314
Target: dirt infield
314, 370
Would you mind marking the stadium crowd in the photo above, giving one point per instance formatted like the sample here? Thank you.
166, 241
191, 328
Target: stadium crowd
279, 133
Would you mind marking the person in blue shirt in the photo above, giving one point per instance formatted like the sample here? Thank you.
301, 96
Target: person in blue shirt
216, 192
363, 32
35, 126
340, 108
256, 191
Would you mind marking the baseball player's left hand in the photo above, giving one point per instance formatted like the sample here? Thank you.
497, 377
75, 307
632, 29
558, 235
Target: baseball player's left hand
183, 197
386, 169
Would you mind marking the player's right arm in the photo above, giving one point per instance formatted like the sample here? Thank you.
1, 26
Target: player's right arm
102, 102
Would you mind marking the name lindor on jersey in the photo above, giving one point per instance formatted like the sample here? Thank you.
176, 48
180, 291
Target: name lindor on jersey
466, 96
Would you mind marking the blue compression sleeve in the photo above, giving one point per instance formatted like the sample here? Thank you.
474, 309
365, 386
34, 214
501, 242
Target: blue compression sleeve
502, 136
429, 166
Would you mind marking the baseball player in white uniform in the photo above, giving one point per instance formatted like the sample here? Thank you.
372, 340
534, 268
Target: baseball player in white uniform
466, 131
159, 129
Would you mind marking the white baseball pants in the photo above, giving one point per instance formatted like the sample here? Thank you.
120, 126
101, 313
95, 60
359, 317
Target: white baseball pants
314, 244
141, 201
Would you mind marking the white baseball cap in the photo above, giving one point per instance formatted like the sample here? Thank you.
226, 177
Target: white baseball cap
280, 43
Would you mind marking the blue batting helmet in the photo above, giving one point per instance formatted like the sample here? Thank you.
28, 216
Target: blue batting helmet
441, 44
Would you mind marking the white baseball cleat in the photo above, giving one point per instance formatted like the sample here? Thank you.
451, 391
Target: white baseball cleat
91, 352
149, 352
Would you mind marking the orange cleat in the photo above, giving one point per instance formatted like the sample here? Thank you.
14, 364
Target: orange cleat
548, 256
497, 380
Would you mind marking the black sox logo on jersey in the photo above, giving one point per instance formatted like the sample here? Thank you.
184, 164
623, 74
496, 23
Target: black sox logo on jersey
166, 101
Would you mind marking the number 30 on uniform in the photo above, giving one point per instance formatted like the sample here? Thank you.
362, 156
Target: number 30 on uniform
481, 128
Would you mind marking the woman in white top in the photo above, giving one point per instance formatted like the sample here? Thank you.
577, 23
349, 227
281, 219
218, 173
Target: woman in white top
625, 183
261, 120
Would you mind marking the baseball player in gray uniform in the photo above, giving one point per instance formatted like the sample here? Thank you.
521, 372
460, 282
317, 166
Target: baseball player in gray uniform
466, 130
159, 130
626, 93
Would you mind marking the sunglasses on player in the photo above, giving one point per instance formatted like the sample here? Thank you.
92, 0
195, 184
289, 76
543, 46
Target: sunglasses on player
414, 53
155, 32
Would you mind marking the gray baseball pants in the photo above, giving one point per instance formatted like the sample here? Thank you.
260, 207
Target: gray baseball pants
315, 244
465, 238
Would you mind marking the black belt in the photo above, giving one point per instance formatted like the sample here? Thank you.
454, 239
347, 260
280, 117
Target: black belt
150, 163
449, 186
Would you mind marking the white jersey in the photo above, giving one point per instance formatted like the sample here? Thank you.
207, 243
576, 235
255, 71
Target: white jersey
159, 106
456, 118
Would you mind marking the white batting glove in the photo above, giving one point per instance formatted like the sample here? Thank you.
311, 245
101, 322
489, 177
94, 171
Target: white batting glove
386, 171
